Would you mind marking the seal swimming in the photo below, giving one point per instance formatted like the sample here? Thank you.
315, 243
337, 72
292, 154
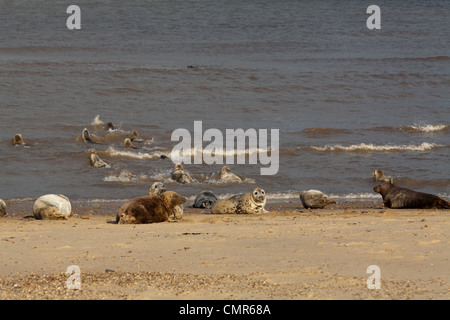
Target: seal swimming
205, 199
128, 144
86, 136
314, 199
18, 140
149, 209
379, 176
97, 162
226, 175
402, 198
134, 136
180, 175
158, 188
249, 203
52, 207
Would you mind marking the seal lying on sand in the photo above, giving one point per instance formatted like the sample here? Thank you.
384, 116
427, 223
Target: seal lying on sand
379, 176
249, 203
18, 140
52, 207
205, 199
314, 199
96, 162
149, 209
401, 198
180, 175
158, 188
3, 208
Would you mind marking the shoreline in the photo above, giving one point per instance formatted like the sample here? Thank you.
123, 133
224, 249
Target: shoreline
290, 253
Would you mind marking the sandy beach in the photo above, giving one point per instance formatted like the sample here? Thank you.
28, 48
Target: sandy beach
288, 253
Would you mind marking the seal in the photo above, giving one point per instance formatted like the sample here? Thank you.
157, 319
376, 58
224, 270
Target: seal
314, 199
18, 140
3, 208
128, 144
379, 176
226, 175
205, 199
158, 188
52, 207
97, 162
402, 198
180, 175
249, 203
149, 209
110, 126
134, 136
86, 137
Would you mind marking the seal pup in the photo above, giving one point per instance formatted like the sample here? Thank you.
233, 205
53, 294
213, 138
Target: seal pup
205, 199
314, 199
128, 144
402, 198
97, 162
249, 203
86, 136
134, 136
52, 207
158, 188
379, 176
149, 209
18, 140
180, 175
3, 208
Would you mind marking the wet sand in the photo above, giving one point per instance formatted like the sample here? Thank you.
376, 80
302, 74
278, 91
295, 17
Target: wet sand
289, 253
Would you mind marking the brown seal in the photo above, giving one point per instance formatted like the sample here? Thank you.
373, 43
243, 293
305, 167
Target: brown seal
97, 162
18, 140
128, 144
158, 188
149, 209
379, 176
134, 136
401, 198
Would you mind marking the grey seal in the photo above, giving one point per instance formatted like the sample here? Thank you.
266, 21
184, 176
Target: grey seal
205, 199
314, 199
402, 198
248, 203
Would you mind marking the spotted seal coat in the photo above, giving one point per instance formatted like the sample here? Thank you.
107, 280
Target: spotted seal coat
249, 203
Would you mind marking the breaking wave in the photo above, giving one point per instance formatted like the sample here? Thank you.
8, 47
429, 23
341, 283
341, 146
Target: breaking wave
363, 147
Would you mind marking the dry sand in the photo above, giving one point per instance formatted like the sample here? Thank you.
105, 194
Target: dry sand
289, 253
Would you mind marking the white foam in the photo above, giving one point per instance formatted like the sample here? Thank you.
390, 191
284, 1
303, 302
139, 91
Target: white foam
135, 155
96, 120
428, 127
372, 147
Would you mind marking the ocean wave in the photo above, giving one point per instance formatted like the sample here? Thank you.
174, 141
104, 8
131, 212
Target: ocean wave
136, 155
363, 147
326, 131
427, 127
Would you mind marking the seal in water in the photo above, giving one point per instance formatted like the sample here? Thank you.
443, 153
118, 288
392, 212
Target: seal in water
379, 176
86, 136
52, 207
3, 208
249, 203
158, 188
149, 209
128, 144
314, 199
180, 175
18, 140
97, 162
205, 199
134, 136
401, 198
